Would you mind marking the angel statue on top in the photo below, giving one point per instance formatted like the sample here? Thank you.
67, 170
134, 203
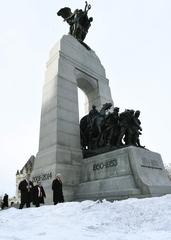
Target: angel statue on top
78, 21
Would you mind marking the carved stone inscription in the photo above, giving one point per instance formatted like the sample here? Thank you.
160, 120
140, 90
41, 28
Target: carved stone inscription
42, 177
106, 164
151, 163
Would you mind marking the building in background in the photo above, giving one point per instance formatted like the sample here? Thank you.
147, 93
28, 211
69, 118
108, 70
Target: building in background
168, 168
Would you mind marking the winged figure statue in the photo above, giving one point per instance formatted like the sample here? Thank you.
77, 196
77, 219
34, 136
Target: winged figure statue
78, 21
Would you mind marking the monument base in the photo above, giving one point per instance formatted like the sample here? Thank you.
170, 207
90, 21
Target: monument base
123, 173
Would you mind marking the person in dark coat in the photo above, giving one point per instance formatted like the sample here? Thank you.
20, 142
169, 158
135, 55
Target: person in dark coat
57, 190
26, 189
5, 201
38, 195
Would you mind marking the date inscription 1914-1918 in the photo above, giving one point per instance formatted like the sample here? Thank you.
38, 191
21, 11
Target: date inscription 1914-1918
107, 164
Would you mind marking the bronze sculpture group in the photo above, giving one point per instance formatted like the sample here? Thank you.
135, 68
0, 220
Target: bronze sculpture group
105, 129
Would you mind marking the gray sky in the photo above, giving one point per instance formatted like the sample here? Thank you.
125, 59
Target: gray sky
131, 38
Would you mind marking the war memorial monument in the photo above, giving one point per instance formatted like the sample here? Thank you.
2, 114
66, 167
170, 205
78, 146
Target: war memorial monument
99, 156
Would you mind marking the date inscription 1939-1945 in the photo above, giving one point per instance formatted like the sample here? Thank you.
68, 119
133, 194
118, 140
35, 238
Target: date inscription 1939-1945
107, 164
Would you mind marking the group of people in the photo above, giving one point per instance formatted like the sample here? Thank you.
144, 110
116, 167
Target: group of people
35, 194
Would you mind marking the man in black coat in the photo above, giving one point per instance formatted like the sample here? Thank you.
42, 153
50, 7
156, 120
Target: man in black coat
38, 194
5, 201
26, 189
57, 190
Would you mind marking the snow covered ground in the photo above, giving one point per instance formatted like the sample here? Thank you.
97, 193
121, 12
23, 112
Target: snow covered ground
132, 219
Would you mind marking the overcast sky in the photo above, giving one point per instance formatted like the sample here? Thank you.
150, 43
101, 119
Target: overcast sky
133, 41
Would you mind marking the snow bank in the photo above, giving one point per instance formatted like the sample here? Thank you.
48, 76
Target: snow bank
132, 219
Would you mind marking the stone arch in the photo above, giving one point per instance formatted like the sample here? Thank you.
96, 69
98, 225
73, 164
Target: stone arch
70, 65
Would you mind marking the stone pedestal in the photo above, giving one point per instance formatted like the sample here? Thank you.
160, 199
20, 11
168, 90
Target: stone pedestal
70, 66
123, 173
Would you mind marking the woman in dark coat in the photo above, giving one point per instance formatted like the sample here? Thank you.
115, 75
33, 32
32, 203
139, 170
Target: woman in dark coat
38, 194
57, 190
